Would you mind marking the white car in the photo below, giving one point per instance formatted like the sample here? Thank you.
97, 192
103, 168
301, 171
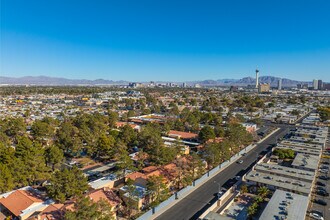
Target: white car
316, 216
240, 162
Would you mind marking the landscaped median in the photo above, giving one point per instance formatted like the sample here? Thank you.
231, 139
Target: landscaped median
178, 196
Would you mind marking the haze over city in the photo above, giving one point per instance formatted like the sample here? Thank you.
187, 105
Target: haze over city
165, 40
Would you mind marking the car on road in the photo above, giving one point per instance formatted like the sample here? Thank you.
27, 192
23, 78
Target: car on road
240, 161
237, 177
325, 162
322, 193
243, 154
222, 191
320, 183
323, 177
320, 201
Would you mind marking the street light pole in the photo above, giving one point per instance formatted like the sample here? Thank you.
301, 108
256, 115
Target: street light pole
218, 189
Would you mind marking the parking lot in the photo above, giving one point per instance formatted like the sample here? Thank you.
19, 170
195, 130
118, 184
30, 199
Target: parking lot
324, 209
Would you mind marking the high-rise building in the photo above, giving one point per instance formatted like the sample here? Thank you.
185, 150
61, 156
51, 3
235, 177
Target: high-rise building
319, 84
263, 87
326, 86
279, 84
315, 84
257, 78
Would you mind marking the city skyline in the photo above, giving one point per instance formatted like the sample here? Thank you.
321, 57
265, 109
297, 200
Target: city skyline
165, 41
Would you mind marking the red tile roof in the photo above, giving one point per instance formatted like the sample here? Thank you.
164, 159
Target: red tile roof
135, 175
19, 200
106, 194
182, 135
149, 169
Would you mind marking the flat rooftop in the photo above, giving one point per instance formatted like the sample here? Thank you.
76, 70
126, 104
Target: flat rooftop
215, 216
308, 140
99, 169
102, 182
312, 127
313, 133
306, 161
285, 205
289, 172
301, 144
280, 182
298, 149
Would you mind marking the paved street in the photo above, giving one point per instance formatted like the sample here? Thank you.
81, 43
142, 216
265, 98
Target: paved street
194, 204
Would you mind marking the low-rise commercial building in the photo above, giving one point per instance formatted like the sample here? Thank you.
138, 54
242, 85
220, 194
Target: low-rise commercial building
306, 162
285, 205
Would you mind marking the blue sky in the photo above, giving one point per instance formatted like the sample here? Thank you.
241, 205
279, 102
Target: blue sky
165, 40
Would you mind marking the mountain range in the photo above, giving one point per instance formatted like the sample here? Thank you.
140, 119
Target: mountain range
45, 80
251, 81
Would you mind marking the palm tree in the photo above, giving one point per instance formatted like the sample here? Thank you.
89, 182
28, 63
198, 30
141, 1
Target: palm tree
252, 209
263, 191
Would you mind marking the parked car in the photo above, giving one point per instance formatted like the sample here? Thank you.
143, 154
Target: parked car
325, 162
320, 188
322, 193
323, 171
320, 183
324, 167
320, 201
323, 177
240, 161
316, 215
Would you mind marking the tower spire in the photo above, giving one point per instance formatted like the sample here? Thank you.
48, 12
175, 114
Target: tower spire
257, 78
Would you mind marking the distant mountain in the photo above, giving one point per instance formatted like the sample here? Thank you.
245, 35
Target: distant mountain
250, 81
45, 80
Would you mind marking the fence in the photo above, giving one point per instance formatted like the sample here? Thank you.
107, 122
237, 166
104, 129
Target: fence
185, 191
156, 211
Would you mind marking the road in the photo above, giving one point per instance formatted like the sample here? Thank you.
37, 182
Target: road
193, 205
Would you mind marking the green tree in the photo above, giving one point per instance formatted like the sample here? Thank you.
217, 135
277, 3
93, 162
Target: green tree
128, 135
68, 138
196, 164
324, 113
263, 191
252, 209
124, 161
244, 189
85, 208
6, 180
157, 189
206, 133
54, 156
65, 184
42, 130
14, 127
104, 146
113, 118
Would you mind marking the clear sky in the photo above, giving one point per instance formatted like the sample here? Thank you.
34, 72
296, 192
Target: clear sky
171, 40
